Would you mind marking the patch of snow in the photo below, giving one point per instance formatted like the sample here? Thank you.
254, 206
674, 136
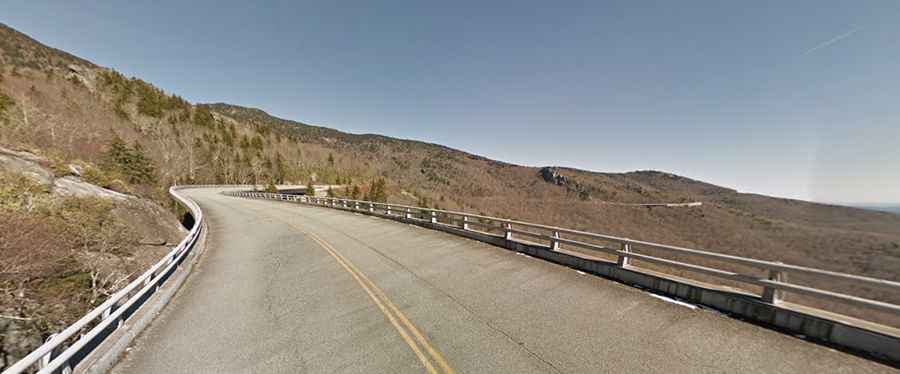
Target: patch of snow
673, 301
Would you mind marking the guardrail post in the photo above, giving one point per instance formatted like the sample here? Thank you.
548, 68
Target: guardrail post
433, 217
371, 208
356, 205
623, 258
45, 359
465, 222
554, 241
388, 210
408, 213
772, 295
508, 228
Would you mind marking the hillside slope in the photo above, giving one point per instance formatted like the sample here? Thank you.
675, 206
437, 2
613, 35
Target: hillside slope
69, 110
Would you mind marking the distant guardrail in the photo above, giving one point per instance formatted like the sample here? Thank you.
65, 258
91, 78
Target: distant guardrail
63, 351
773, 286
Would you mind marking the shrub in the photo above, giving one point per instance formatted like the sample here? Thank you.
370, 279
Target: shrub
271, 187
377, 191
6, 103
150, 101
19, 193
95, 176
58, 166
203, 117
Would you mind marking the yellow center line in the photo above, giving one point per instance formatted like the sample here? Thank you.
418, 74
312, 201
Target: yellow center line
418, 334
428, 366
390, 311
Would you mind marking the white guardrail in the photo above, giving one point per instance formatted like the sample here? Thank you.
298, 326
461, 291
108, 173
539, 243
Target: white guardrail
65, 349
773, 286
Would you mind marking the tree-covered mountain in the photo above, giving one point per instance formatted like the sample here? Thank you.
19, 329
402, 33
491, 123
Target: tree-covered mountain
129, 136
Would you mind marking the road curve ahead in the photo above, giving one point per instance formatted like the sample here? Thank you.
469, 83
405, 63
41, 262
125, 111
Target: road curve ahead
286, 288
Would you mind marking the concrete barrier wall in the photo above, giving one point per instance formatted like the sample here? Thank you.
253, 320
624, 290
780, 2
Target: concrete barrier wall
846, 334
747, 307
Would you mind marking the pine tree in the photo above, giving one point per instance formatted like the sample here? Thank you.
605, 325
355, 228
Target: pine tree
271, 187
377, 191
130, 162
203, 117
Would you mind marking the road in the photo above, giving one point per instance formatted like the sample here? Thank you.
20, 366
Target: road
286, 288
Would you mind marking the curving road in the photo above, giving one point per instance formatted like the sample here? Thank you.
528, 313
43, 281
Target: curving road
296, 289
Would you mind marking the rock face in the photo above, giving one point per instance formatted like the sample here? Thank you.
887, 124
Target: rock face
52, 285
83, 75
26, 164
552, 175
30, 165
74, 186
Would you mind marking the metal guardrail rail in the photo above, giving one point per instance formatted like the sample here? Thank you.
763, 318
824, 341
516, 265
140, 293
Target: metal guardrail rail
773, 286
65, 349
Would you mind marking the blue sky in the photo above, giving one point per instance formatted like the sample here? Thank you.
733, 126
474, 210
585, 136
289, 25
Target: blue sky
796, 99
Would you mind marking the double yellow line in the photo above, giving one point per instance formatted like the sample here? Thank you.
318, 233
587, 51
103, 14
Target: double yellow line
400, 322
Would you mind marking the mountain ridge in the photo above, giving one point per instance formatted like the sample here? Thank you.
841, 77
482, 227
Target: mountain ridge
69, 111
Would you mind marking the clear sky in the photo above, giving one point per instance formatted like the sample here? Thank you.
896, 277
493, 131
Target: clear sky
788, 98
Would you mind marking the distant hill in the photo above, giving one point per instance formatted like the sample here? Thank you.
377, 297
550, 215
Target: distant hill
66, 108
890, 208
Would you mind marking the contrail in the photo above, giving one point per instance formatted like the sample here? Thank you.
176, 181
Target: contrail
831, 41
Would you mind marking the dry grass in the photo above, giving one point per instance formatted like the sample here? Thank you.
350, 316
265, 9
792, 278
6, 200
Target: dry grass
61, 256
65, 119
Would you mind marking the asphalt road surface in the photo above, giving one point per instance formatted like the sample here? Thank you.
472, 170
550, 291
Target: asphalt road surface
286, 288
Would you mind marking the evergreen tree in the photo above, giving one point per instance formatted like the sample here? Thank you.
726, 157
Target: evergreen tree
271, 187
130, 162
203, 117
257, 142
377, 191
